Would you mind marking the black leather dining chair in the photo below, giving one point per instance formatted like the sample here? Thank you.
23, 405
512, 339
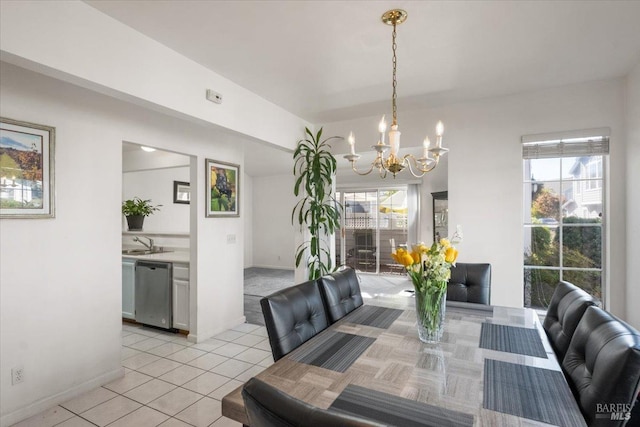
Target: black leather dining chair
293, 316
602, 366
266, 406
567, 306
341, 293
470, 283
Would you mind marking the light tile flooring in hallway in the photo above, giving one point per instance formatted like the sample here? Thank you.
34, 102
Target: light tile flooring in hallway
168, 381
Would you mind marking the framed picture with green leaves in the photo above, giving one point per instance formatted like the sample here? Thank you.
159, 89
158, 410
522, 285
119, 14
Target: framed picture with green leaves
26, 170
223, 189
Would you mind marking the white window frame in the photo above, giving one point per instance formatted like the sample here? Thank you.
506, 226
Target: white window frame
590, 142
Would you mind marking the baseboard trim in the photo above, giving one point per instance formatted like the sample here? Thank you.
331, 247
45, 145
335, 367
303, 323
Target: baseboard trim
51, 401
223, 327
273, 267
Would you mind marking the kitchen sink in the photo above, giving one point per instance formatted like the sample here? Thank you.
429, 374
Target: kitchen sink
142, 252
136, 252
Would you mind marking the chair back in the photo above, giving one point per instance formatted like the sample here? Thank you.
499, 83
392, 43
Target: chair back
341, 293
293, 316
266, 406
602, 366
470, 283
567, 307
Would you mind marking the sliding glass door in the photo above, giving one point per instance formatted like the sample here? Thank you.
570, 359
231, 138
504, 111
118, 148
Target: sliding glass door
372, 220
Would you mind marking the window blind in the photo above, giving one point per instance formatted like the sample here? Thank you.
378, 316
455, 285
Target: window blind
566, 144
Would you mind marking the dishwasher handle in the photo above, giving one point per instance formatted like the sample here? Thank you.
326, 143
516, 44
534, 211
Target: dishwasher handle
153, 265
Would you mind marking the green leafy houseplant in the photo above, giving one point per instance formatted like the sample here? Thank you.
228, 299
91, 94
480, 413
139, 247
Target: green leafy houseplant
135, 210
137, 206
315, 167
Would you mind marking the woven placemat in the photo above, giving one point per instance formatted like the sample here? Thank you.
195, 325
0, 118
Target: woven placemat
370, 315
525, 391
396, 411
512, 339
333, 350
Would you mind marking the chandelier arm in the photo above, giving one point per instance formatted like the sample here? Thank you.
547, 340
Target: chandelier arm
406, 160
353, 167
418, 165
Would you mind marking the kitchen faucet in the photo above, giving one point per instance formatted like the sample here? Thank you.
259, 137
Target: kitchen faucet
149, 245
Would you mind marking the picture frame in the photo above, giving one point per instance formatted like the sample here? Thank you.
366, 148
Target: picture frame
223, 189
27, 173
181, 192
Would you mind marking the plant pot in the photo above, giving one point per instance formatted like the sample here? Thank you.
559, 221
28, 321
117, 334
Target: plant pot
430, 308
135, 222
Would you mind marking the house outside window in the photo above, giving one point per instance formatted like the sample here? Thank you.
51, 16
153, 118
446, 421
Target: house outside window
563, 214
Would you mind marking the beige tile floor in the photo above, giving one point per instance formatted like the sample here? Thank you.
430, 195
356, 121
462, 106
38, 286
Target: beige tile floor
168, 381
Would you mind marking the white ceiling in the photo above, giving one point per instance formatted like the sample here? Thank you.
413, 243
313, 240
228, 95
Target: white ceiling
331, 60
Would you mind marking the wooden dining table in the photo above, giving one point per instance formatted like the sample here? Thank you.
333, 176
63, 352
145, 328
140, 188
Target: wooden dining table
493, 367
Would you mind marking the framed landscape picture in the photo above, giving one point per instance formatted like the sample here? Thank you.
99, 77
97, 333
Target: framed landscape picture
223, 189
26, 170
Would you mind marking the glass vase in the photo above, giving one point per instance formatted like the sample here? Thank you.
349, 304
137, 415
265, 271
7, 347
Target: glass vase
430, 308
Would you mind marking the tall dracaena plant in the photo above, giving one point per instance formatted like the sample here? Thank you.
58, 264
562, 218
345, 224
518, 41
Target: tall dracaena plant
315, 167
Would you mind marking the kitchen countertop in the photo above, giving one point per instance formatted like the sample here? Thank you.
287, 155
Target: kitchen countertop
175, 256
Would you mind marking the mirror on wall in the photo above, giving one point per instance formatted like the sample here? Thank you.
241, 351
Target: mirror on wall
152, 174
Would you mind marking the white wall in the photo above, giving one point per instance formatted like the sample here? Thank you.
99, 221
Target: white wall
485, 171
273, 234
80, 44
247, 198
60, 293
157, 185
633, 196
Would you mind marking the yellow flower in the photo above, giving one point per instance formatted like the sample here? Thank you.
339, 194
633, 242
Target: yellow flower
401, 256
445, 242
420, 248
417, 257
450, 255
407, 259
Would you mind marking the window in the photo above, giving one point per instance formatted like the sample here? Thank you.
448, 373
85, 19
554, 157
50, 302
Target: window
563, 214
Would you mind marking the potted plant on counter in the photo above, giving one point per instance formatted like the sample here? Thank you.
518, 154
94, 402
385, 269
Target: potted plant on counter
135, 210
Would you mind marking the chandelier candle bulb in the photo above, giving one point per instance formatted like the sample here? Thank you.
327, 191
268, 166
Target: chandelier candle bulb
439, 132
382, 126
425, 147
352, 143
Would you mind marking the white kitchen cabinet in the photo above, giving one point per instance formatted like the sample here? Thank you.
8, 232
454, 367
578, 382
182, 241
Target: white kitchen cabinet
128, 288
181, 296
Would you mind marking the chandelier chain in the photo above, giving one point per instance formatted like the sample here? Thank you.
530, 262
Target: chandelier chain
395, 81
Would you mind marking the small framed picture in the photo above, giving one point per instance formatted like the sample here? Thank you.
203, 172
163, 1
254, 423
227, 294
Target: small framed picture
181, 192
26, 170
223, 189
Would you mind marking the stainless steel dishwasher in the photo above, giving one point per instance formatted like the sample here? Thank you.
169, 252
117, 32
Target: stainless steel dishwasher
153, 294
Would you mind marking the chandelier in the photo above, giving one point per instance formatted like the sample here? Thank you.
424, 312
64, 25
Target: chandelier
393, 163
